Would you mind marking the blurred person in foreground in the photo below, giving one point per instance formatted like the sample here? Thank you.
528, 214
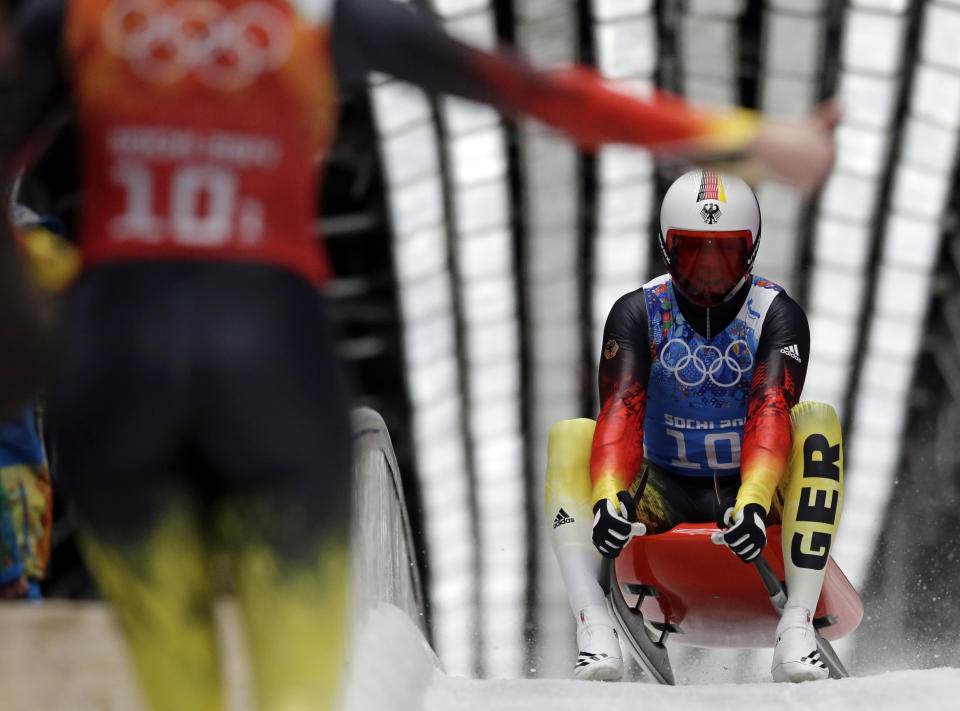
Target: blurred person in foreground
198, 398
700, 379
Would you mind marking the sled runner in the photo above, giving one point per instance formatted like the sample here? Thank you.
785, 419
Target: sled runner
680, 584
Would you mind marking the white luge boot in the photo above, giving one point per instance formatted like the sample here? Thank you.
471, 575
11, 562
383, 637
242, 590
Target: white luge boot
795, 656
600, 658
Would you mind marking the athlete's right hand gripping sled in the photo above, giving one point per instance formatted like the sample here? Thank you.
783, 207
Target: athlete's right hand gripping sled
680, 584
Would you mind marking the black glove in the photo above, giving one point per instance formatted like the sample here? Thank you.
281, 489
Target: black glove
745, 534
613, 528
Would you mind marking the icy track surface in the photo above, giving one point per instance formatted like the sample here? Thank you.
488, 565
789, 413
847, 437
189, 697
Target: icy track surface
395, 670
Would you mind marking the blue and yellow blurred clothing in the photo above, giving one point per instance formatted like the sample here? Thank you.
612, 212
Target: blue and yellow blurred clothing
26, 501
10, 560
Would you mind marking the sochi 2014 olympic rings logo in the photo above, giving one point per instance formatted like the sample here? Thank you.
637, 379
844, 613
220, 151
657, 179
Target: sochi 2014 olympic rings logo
224, 49
692, 368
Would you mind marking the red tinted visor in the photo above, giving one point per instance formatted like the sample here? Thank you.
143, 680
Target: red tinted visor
708, 267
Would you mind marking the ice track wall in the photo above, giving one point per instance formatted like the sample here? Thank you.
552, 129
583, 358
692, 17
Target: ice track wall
385, 568
391, 664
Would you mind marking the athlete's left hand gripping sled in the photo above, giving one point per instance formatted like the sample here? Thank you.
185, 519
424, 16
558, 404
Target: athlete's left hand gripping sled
745, 532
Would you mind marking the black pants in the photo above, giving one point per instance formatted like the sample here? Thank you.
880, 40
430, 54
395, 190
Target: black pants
198, 381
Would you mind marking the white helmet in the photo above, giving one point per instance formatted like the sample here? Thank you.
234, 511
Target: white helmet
709, 234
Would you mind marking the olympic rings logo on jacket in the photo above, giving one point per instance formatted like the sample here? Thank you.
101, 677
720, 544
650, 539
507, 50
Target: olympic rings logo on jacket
224, 49
692, 368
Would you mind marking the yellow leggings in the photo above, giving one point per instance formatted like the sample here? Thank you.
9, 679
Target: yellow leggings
294, 608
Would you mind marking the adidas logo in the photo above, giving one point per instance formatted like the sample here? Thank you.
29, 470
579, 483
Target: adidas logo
792, 351
813, 659
585, 659
562, 518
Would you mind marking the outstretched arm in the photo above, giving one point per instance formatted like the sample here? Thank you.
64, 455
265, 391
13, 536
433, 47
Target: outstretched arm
782, 357
617, 453
385, 36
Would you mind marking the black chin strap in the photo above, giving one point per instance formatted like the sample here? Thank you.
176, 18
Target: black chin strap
708, 321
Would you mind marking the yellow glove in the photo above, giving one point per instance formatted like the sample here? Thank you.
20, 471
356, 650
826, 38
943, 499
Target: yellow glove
52, 261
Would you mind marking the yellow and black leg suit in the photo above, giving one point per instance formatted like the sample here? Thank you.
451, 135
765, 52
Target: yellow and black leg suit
200, 411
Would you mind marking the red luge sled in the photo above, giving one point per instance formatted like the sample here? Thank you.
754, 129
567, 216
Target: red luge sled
683, 585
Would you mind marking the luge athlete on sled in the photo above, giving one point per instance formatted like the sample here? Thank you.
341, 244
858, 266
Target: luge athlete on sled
700, 377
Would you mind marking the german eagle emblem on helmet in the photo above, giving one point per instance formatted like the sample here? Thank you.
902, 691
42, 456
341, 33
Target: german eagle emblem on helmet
710, 213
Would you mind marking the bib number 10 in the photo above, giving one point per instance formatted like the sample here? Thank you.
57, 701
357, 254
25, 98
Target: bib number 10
710, 442
204, 207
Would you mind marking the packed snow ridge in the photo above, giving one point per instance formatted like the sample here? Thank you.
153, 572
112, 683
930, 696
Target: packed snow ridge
394, 669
